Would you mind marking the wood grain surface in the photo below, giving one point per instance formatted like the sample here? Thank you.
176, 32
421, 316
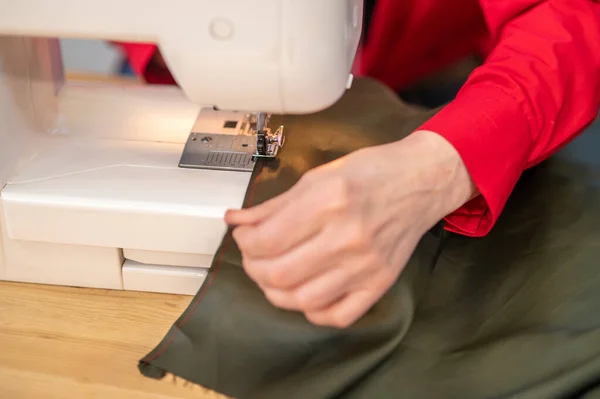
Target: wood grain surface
61, 342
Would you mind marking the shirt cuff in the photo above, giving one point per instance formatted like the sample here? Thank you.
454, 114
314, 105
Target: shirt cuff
489, 129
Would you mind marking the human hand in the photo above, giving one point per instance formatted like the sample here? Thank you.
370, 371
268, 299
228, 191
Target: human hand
332, 245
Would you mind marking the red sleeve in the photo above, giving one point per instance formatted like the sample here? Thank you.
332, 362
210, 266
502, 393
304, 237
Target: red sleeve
138, 55
538, 89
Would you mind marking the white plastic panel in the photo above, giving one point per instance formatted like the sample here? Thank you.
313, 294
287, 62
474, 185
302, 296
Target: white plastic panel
17, 117
168, 258
27, 104
59, 264
163, 279
2, 255
120, 194
125, 111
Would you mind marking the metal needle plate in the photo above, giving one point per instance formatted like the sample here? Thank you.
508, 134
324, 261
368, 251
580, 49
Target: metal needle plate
219, 152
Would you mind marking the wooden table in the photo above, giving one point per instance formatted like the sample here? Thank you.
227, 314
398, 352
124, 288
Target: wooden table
60, 342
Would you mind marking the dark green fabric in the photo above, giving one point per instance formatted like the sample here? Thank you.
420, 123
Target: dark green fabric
515, 314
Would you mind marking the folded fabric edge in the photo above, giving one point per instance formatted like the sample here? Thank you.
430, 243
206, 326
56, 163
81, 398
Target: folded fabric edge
146, 365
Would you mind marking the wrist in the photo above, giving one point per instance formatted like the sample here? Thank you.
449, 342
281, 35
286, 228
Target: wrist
439, 171
449, 175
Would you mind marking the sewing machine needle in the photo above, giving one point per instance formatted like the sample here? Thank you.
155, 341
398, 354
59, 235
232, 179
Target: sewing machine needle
260, 121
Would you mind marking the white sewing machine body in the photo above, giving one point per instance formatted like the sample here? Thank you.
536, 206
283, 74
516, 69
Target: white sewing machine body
92, 193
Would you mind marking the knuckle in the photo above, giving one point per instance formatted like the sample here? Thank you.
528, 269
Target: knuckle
251, 270
307, 175
241, 239
339, 194
305, 302
358, 237
382, 284
277, 277
253, 242
265, 247
307, 178
339, 321
315, 318
332, 320
373, 261
280, 300
273, 299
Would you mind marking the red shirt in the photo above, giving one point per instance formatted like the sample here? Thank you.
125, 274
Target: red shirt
538, 88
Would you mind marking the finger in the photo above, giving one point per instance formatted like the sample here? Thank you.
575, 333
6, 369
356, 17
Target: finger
323, 291
346, 311
258, 213
288, 228
255, 214
320, 253
316, 294
266, 244
304, 214
282, 299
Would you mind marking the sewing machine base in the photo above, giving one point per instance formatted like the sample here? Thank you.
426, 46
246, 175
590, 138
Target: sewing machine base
99, 207
115, 215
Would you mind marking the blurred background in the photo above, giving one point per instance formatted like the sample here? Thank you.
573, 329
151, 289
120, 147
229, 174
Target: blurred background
93, 57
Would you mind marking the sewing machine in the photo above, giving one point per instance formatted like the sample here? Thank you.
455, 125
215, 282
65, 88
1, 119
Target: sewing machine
124, 186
